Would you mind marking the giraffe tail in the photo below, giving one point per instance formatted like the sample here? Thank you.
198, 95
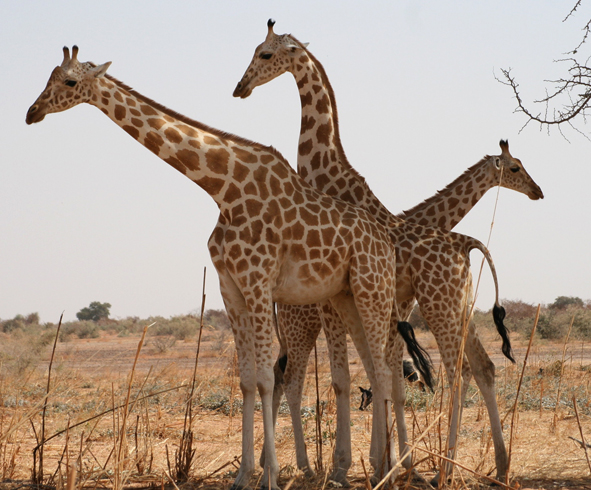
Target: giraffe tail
498, 310
420, 356
281, 363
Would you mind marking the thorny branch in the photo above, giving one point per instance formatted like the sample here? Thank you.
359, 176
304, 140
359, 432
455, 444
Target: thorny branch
573, 91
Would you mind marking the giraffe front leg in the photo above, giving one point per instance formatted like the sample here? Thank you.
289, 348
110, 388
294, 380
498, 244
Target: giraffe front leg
260, 308
245, 351
277, 395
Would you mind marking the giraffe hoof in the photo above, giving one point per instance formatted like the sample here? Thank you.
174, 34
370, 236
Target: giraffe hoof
435, 481
237, 486
342, 483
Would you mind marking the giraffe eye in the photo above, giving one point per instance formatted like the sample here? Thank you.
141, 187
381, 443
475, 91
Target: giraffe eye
266, 56
514, 169
71, 83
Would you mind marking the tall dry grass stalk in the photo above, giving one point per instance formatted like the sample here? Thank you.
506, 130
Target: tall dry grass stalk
232, 391
120, 431
185, 454
558, 390
37, 476
319, 462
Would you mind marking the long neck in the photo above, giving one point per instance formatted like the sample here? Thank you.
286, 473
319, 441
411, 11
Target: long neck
448, 206
321, 159
227, 167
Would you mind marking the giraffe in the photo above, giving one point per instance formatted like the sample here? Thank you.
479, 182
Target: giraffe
322, 161
277, 239
447, 207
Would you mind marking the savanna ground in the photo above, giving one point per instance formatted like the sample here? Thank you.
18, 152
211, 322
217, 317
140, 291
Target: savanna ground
137, 444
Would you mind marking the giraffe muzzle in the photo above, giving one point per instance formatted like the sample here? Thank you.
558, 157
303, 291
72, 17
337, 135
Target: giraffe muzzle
34, 115
242, 90
535, 194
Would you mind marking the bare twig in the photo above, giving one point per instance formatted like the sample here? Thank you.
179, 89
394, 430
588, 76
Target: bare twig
105, 412
185, 454
584, 445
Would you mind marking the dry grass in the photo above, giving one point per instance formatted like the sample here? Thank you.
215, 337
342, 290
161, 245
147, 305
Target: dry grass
127, 446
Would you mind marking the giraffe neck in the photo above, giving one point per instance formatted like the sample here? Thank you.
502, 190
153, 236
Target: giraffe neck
230, 169
447, 207
321, 159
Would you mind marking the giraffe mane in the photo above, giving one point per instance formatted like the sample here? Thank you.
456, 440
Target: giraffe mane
339, 146
443, 191
196, 124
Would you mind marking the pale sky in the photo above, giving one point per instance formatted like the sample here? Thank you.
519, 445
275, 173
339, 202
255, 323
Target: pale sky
88, 214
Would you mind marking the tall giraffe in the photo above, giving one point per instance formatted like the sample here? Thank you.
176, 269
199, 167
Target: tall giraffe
322, 161
277, 239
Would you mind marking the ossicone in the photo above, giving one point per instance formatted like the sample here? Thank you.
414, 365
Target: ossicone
66, 55
504, 144
270, 24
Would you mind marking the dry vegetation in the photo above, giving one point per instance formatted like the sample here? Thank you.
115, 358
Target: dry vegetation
110, 424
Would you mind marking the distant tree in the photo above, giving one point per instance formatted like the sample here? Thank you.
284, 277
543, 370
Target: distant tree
417, 320
518, 310
563, 302
95, 311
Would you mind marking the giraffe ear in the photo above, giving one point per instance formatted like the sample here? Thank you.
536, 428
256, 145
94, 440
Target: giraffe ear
294, 48
100, 70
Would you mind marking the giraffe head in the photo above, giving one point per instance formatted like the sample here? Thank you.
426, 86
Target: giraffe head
69, 85
509, 172
276, 55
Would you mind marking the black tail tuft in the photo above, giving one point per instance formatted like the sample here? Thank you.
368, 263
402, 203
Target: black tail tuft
499, 316
420, 356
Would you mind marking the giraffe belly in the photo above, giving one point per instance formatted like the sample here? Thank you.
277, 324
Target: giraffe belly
307, 285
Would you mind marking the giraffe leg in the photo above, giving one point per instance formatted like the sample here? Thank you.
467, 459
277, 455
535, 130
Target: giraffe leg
459, 396
395, 355
245, 351
257, 323
300, 331
361, 344
363, 323
336, 339
262, 324
484, 375
277, 395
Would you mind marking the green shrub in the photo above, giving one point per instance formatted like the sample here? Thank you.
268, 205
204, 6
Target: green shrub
81, 330
179, 327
